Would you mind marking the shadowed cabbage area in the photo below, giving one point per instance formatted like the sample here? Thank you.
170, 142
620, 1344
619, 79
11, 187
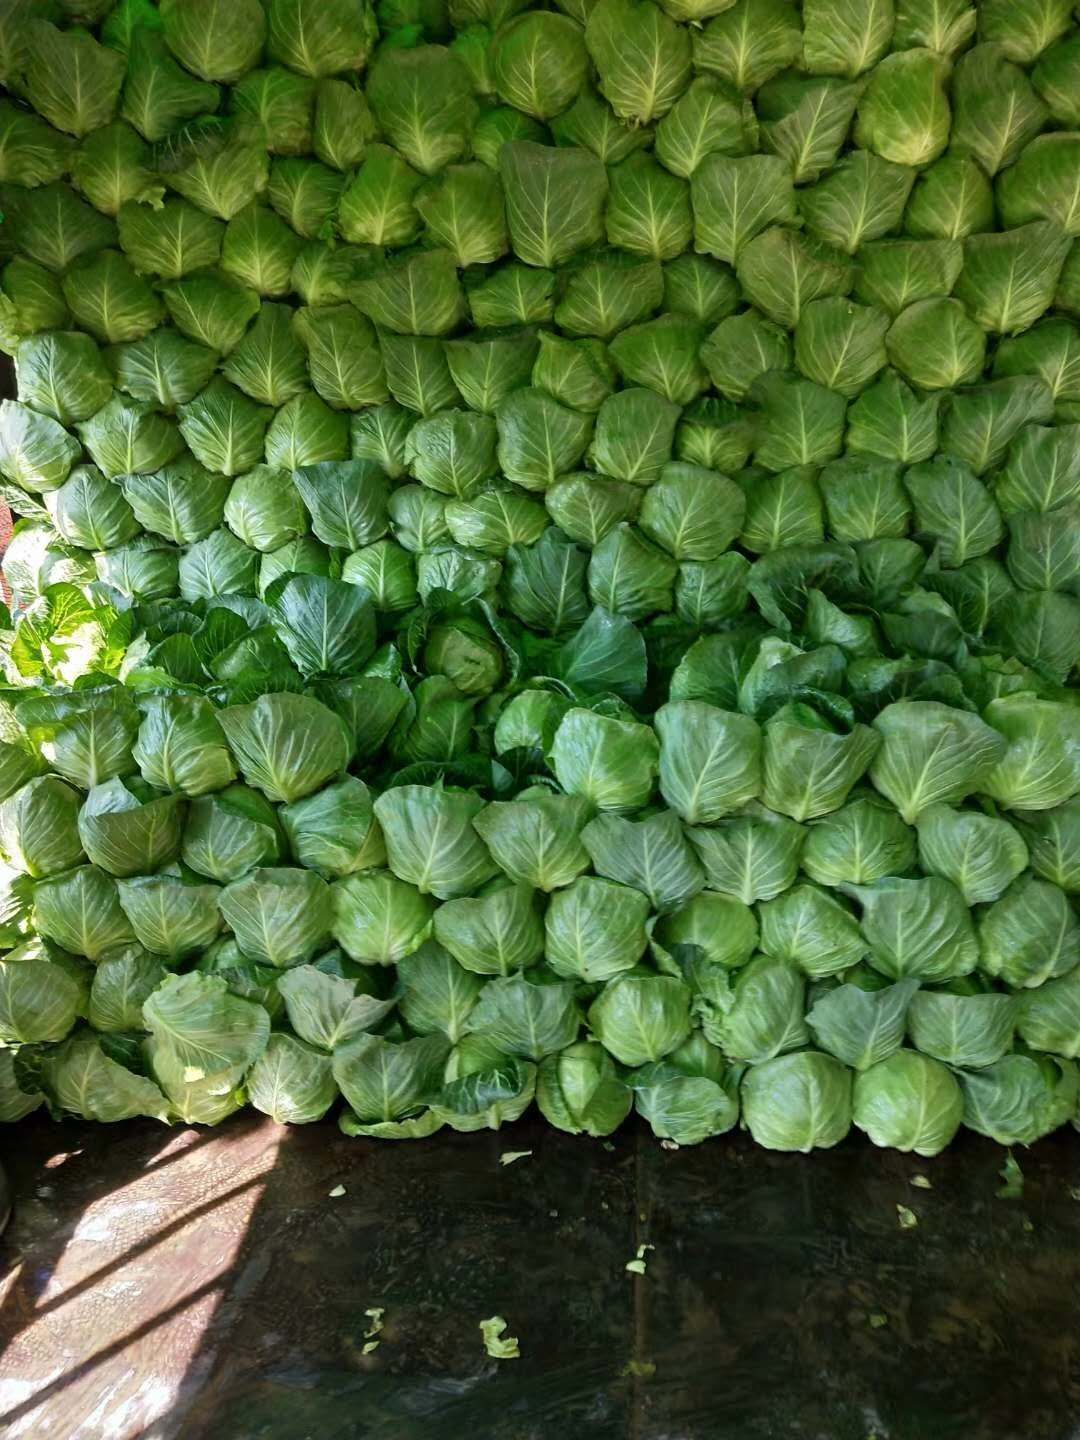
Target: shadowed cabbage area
548, 565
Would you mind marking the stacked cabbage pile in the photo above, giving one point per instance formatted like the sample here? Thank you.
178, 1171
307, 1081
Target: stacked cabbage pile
549, 564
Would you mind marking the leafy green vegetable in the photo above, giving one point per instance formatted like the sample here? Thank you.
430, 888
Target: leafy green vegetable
546, 566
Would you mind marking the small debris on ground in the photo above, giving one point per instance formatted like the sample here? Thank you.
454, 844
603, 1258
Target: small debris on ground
639, 1369
907, 1218
498, 1345
509, 1156
637, 1265
374, 1330
1010, 1172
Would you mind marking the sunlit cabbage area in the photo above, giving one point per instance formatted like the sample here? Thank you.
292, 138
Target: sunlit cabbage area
549, 565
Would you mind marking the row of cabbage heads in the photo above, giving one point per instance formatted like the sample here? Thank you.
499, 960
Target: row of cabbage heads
549, 565
702, 917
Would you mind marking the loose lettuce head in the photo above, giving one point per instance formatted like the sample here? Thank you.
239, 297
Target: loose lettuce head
579, 1090
44, 992
798, 1102
908, 1102
286, 745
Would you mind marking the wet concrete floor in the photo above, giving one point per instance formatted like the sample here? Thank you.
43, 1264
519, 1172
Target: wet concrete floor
162, 1284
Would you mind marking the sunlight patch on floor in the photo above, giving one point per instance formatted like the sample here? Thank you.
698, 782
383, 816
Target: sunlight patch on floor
139, 1280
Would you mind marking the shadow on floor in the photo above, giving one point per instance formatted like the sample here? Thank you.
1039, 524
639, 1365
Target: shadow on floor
197, 1285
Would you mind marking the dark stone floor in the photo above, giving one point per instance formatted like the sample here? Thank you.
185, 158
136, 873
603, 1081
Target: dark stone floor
184, 1285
